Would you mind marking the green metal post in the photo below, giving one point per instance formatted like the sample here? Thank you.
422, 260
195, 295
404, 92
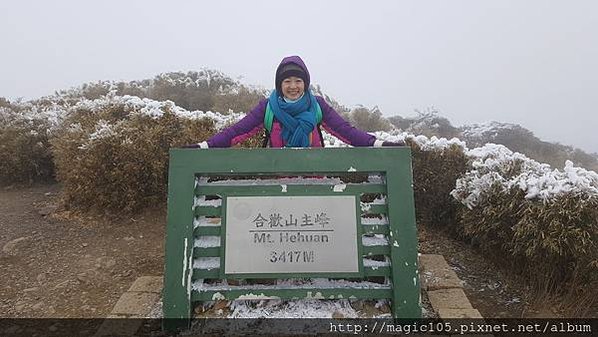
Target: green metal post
403, 238
179, 245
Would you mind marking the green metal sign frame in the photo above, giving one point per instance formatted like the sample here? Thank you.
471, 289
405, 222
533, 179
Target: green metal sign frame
187, 164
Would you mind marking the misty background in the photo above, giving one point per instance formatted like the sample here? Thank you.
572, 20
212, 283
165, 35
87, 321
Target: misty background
532, 63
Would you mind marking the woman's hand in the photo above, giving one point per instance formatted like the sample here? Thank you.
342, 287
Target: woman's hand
202, 145
398, 143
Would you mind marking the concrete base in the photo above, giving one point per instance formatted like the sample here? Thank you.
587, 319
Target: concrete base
437, 274
444, 289
132, 307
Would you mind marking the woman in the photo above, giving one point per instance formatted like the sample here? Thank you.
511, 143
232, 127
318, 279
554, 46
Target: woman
292, 116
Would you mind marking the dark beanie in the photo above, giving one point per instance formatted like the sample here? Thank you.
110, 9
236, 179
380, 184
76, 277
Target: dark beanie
287, 71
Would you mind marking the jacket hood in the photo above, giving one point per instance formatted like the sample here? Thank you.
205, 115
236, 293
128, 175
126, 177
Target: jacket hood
298, 61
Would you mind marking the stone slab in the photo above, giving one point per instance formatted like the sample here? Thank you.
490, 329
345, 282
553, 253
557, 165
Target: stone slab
113, 326
449, 299
458, 313
437, 274
148, 284
135, 303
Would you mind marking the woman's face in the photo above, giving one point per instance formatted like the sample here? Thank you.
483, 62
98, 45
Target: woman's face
292, 87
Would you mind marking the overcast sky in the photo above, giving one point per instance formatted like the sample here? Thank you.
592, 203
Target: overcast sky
530, 62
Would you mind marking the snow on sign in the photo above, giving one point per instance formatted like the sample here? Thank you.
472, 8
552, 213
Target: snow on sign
295, 234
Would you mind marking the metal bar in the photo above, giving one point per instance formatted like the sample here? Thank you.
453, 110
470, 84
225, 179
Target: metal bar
206, 252
375, 229
337, 293
207, 210
205, 273
207, 230
377, 271
376, 250
376, 209
215, 273
290, 190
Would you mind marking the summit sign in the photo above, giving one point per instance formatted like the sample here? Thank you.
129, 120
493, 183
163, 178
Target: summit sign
295, 234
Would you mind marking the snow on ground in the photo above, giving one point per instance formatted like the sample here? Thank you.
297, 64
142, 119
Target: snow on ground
291, 309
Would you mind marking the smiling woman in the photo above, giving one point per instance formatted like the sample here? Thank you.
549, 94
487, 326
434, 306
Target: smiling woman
292, 116
293, 88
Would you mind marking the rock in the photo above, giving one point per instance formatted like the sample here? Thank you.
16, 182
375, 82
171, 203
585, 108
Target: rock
384, 308
220, 305
63, 283
200, 309
110, 263
38, 305
41, 278
29, 290
357, 305
337, 314
46, 210
10, 247
82, 277
84, 244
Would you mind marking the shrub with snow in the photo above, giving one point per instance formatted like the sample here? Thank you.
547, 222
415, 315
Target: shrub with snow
112, 153
546, 219
437, 163
25, 130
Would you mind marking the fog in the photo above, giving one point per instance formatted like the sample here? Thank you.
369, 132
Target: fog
532, 62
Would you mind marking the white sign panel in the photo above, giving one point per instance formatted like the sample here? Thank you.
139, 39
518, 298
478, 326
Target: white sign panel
291, 235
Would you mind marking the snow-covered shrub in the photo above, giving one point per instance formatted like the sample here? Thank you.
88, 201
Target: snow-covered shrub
25, 130
544, 220
112, 153
437, 163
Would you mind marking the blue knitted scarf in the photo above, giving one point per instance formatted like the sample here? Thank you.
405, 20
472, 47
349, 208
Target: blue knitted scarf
298, 119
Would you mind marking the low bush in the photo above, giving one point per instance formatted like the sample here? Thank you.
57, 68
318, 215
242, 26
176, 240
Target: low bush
25, 154
542, 221
434, 175
112, 153
437, 164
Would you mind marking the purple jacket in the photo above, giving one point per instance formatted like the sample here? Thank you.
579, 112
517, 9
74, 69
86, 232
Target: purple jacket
254, 123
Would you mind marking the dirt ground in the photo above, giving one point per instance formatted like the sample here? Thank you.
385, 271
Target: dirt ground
491, 290
56, 264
